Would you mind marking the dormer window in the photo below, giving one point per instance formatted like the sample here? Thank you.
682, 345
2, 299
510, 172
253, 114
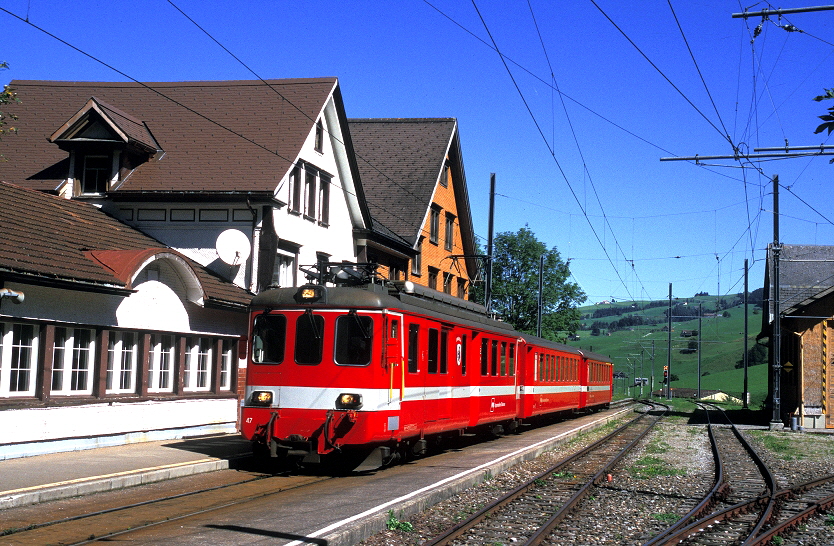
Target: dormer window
104, 144
96, 174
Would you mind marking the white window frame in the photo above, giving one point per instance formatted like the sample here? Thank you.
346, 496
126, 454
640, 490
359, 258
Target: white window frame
8, 346
67, 359
162, 354
198, 363
224, 382
122, 359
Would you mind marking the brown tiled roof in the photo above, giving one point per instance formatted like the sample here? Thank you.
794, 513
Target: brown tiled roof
806, 273
47, 239
216, 136
399, 162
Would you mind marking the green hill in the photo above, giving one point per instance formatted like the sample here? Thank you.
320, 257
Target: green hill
633, 328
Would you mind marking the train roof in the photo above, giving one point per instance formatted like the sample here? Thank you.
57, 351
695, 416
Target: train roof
398, 295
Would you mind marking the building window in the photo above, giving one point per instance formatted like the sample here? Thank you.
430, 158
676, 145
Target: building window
226, 365
196, 376
462, 288
161, 365
324, 200
433, 278
434, 226
444, 177
72, 361
283, 273
417, 262
310, 194
319, 145
18, 359
295, 190
393, 273
121, 362
96, 174
450, 232
448, 281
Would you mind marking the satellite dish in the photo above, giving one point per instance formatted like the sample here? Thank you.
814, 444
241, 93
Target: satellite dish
233, 246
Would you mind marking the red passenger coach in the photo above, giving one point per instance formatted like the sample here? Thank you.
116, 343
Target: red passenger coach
370, 372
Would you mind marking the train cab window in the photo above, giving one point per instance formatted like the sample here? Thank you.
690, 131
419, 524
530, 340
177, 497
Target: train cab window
494, 361
503, 358
413, 347
433, 346
395, 329
354, 335
484, 356
309, 339
268, 339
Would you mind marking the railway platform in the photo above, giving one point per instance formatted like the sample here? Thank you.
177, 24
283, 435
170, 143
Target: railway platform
40, 478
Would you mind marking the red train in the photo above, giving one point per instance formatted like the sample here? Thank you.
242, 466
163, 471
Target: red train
369, 373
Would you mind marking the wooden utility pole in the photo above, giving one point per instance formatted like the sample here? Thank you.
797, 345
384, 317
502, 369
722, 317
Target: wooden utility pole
488, 289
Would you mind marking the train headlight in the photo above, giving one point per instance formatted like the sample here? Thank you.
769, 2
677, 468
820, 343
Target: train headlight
349, 400
261, 398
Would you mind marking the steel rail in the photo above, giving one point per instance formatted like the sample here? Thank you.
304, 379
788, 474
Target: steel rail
768, 499
462, 527
541, 534
708, 502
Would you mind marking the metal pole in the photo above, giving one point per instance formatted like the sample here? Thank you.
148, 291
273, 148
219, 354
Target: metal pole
700, 314
745, 394
488, 290
652, 381
780, 11
539, 306
669, 348
776, 420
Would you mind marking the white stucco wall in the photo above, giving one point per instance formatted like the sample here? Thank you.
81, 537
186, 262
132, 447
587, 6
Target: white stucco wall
32, 431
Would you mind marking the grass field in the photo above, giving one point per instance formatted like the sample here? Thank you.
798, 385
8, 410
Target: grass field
722, 346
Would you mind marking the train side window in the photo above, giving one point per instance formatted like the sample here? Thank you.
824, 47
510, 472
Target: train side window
463, 355
433, 345
395, 329
268, 339
354, 336
494, 361
444, 351
512, 358
503, 358
309, 339
539, 367
484, 356
413, 347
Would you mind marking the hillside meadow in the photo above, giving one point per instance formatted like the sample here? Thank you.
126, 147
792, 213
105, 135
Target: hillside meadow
721, 346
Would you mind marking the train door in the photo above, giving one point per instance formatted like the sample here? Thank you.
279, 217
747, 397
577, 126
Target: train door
437, 389
394, 360
414, 379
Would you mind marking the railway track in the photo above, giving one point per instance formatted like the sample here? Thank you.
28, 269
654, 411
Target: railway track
745, 493
116, 520
530, 512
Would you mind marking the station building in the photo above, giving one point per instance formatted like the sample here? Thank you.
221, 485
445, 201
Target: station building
806, 309
141, 218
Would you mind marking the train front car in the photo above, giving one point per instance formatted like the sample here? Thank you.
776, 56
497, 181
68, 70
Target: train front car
321, 374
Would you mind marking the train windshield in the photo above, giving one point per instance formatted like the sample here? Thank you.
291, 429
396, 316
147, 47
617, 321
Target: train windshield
353, 340
268, 339
309, 338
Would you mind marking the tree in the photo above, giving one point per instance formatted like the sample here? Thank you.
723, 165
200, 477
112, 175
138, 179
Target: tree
8, 96
515, 286
828, 119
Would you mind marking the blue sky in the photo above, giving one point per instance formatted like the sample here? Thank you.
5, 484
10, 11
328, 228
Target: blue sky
582, 168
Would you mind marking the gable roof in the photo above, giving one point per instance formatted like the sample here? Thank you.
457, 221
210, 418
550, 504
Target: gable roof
400, 162
806, 274
220, 136
70, 244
